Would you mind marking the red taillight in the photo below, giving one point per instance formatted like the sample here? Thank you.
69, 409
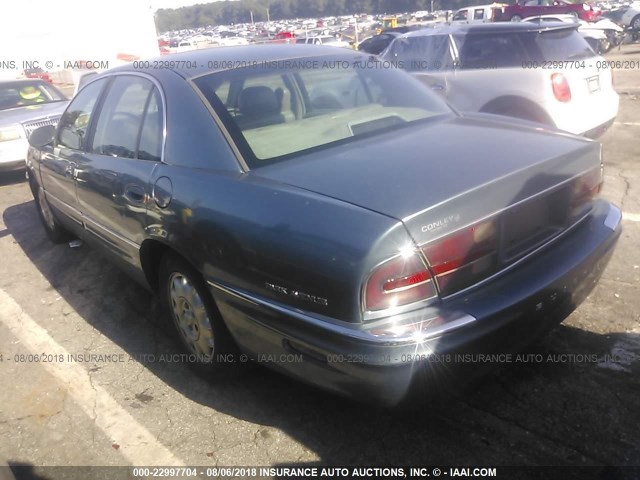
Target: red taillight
585, 189
560, 86
463, 257
400, 281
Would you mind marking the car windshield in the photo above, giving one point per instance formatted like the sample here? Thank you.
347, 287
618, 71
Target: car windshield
23, 94
280, 109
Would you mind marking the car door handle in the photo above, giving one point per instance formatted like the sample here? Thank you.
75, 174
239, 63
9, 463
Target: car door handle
135, 194
70, 170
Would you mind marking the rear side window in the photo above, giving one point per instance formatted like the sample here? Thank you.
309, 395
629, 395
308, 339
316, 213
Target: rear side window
121, 117
478, 14
72, 128
431, 52
487, 51
150, 147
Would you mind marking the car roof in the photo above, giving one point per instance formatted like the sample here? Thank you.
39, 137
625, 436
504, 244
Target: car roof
496, 27
22, 81
229, 58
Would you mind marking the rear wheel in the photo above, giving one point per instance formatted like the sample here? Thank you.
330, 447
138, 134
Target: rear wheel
53, 229
195, 319
516, 18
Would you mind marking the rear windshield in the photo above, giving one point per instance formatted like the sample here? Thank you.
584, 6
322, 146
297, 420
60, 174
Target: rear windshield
565, 44
506, 50
23, 94
278, 110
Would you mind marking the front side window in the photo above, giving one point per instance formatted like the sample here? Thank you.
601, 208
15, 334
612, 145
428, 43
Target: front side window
121, 117
72, 128
277, 113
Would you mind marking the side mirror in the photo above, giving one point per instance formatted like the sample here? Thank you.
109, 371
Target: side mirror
42, 136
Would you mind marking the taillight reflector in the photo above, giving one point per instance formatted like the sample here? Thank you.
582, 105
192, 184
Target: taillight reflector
399, 281
585, 189
463, 257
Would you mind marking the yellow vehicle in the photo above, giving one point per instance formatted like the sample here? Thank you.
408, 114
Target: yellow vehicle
388, 22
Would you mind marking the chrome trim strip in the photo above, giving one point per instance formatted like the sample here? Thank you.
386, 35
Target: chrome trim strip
353, 332
614, 217
110, 232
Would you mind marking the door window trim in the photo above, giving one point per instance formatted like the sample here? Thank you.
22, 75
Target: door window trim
112, 76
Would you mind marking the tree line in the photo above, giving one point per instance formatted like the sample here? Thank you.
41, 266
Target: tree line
240, 11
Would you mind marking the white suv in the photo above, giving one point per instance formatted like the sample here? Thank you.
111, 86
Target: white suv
545, 73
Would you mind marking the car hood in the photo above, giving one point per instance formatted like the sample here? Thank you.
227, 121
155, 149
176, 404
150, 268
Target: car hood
29, 113
464, 168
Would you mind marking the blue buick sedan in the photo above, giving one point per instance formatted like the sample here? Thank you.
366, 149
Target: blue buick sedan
322, 210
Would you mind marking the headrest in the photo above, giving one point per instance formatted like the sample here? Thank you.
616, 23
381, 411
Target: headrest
258, 101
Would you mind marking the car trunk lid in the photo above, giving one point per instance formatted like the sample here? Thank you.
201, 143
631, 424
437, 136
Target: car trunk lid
441, 178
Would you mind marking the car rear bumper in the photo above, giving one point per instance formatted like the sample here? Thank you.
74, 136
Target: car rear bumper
599, 130
502, 316
586, 115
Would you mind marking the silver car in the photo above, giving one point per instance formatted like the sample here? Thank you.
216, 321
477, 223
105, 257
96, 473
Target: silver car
24, 106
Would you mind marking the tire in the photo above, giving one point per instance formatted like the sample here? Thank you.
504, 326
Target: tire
635, 23
194, 319
516, 18
56, 232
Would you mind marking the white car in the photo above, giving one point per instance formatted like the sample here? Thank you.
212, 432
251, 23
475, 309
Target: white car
185, 46
328, 40
514, 69
24, 106
477, 14
232, 41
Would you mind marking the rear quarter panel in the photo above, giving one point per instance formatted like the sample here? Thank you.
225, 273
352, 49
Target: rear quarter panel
244, 231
